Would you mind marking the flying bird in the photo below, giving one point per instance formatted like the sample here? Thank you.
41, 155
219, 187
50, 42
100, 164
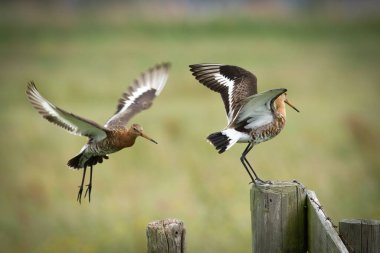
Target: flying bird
114, 135
252, 117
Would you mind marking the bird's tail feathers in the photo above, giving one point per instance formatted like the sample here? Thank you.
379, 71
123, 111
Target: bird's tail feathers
81, 160
75, 161
224, 140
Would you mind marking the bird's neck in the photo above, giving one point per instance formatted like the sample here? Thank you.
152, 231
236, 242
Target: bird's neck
129, 139
125, 138
280, 108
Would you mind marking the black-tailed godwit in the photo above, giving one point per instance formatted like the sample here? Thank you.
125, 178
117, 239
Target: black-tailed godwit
113, 136
252, 118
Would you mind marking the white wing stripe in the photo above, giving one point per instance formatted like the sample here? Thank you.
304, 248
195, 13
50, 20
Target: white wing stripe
134, 96
70, 122
161, 77
150, 83
230, 84
48, 107
156, 80
223, 80
53, 112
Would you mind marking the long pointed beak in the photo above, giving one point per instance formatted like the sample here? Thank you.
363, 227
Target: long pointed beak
286, 101
148, 138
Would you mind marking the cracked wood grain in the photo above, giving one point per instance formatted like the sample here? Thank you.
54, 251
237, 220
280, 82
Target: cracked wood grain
166, 236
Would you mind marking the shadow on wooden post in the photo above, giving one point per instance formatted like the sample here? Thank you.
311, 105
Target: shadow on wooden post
278, 218
166, 236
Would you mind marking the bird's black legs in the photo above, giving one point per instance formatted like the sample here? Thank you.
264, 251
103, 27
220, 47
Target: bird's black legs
247, 165
79, 198
243, 160
89, 186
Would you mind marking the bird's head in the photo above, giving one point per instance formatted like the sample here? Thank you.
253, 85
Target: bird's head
283, 99
137, 130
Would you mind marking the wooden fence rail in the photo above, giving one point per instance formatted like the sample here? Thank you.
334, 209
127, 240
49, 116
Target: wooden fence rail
285, 218
322, 236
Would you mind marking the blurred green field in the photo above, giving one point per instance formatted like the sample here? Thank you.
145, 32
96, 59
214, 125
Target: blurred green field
84, 62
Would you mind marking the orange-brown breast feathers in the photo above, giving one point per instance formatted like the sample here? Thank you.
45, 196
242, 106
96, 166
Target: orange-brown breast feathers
122, 138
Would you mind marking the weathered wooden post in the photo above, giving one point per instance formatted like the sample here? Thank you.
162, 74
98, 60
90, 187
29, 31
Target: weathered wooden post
361, 236
166, 236
321, 235
278, 217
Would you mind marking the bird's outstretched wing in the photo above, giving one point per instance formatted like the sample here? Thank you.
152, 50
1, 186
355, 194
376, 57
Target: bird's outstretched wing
140, 95
257, 110
72, 123
233, 83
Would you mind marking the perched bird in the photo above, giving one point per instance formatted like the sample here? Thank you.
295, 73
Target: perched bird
113, 136
252, 118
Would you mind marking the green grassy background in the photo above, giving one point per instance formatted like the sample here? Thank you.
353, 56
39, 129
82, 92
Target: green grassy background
83, 61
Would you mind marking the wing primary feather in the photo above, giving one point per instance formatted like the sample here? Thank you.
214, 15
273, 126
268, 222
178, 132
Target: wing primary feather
232, 82
140, 94
70, 122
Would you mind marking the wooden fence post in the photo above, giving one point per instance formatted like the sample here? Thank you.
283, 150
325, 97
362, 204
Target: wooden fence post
278, 217
361, 236
166, 236
321, 235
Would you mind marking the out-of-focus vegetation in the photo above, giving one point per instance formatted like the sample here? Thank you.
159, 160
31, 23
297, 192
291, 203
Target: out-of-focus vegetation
83, 60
